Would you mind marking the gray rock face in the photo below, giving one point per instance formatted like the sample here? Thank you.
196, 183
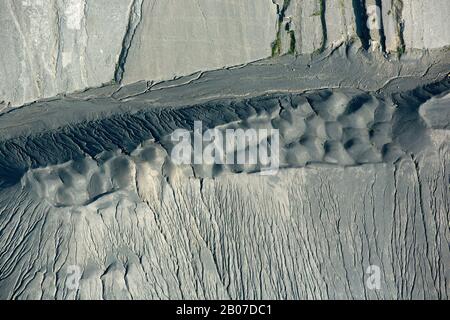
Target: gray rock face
316, 25
60, 46
87, 42
207, 34
415, 24
392, 25
54, 46
426, 23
